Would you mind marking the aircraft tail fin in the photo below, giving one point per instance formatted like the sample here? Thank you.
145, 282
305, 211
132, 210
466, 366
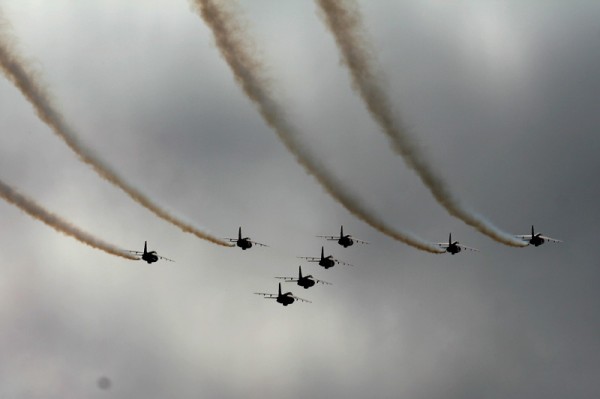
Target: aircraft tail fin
300, 272
322, 253
145, 247
279, 289
341, 231
532, 231
240, 233
450, 239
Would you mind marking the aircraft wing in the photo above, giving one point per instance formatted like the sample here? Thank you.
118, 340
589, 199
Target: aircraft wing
468, 248
163, 258
258, 243
359, 241
300, 299
339, 262
331, 238
550, 239
230, 239
322, 282
524, 237
136, 253
267, 296
310, 258
288, 279
442, 244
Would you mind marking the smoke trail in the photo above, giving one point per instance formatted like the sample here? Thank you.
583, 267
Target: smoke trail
345, 23
21, 75
36, 211
237, 49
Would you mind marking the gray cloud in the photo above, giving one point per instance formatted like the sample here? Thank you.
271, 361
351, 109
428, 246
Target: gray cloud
26, 79
520, 145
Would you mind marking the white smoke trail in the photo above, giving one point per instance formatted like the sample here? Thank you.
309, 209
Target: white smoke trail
343, 19
34, 210
26, 80
237, 49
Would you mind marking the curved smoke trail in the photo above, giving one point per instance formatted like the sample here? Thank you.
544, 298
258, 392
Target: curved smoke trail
34, 210
24, 78
344, 20
237, 49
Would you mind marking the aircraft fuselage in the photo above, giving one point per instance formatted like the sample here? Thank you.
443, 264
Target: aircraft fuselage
326, 262
150, 257
537, 240
306, 283
244, 243
453, 249
285, 299
345, 241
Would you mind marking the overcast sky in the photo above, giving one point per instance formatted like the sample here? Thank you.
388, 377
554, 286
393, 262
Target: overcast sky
502, 96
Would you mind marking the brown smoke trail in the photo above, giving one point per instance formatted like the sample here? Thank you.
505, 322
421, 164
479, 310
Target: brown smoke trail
24, 78
36, 211
344, 20
238, 50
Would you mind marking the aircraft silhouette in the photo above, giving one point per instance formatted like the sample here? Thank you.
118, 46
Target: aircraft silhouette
454, 247
285, 299
325, 261
151, 256
245, 242
303, 281
344, 240
536, 239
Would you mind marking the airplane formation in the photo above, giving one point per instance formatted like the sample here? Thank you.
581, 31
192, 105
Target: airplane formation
248, 74
327, 262
308, 281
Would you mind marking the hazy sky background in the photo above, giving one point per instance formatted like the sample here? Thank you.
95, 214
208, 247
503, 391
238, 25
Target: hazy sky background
503, 97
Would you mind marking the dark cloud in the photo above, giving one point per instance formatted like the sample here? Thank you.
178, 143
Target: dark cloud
502, 99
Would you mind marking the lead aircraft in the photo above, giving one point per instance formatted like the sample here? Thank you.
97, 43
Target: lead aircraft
303, 281
325, 261
454, 247
536, 239
245, 242
344, 240
151, 256
285, 299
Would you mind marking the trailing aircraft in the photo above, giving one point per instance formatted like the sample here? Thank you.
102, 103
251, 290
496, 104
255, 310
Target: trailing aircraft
536, 239
244, 242
454, 247
344, 240
285, 299
303, 281
151, 256
325, 261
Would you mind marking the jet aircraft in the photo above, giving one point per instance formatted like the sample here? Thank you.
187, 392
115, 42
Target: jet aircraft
151, 256
285, 299
454, 247
325, 261
245, 242
344, 240
536, 239
303, 281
